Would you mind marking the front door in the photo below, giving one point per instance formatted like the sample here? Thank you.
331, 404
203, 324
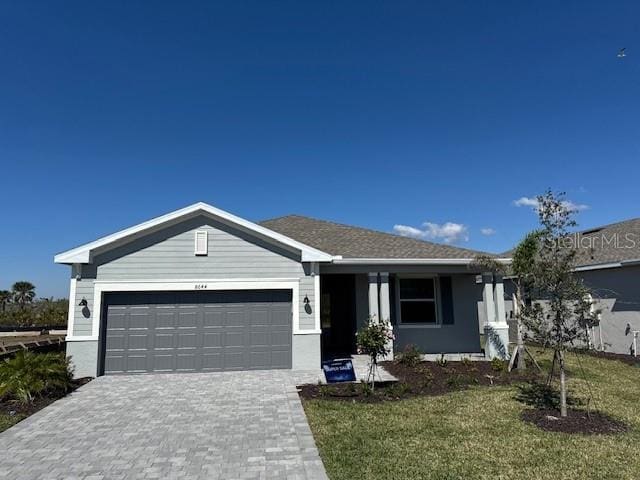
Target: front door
338, 315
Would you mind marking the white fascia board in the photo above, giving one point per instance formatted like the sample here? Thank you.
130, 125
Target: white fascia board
603, 266
599, 266
412, 261
634, 261
83, 253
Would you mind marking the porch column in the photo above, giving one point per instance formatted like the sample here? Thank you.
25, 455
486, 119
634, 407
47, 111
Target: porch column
496, 330
385, 307
374, 312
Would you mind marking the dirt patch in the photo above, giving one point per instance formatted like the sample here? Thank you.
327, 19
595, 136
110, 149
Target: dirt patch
426, 378
576, 421
12, 407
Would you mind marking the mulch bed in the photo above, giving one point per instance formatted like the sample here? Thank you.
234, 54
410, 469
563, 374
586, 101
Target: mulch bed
12, 407
424, 379
576, 421
628, 359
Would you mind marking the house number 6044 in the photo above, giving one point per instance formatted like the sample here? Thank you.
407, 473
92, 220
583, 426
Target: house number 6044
201, 286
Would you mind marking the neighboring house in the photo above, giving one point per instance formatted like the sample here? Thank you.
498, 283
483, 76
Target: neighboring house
200, 289
609, 262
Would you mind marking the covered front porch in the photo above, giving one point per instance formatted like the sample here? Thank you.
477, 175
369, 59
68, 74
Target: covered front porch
443, 310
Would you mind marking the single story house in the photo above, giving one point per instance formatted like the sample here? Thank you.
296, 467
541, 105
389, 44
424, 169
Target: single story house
608, 261
200, 289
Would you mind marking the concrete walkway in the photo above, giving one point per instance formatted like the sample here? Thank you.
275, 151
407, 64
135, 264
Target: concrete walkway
236, 425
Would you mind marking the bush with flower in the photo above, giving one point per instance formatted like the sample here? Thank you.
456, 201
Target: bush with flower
374, 340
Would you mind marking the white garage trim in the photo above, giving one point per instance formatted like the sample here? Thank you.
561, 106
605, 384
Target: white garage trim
101, 287
71, 316
316, 295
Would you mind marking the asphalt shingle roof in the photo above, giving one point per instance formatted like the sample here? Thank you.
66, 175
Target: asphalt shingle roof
358, 242
617, 242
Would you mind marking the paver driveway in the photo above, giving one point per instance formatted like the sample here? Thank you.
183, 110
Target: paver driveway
189, 426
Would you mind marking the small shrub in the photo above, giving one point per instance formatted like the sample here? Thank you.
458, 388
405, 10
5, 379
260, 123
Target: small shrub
323, 389
498, 365
543, 396
398, 389
375, 340
466, 362
411, 356
29, 375
365, 389
459, 381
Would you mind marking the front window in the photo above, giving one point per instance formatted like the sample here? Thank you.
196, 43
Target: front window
417, 298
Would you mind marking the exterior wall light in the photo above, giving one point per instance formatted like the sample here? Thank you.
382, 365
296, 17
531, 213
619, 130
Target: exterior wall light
83, 303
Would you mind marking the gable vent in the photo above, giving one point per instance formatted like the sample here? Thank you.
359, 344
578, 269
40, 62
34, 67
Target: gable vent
201, 247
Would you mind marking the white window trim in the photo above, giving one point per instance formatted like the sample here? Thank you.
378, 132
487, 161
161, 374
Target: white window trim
204, 252
101, 287
437, 300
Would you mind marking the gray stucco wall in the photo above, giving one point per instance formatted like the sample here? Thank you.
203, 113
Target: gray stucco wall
463, 336
168, 254
617, 292
306, 352
84, 358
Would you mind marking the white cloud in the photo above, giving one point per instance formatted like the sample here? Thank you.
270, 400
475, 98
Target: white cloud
487, 231
526, 202
407, 231
576, 207
533, 203
448, 232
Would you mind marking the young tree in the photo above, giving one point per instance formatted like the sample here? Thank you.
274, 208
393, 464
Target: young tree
23, 293
561, 307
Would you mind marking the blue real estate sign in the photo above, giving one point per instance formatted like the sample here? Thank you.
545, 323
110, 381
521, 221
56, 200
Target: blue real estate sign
339, 370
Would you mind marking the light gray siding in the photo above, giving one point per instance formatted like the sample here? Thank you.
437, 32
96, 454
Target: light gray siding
168, 254
83, 318
307, 289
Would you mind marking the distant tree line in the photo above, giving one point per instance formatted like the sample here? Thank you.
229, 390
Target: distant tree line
20, 307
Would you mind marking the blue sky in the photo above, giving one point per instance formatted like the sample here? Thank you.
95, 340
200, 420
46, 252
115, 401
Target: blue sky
369, 113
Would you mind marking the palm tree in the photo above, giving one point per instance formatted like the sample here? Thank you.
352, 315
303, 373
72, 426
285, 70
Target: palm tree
5, 297
23, 293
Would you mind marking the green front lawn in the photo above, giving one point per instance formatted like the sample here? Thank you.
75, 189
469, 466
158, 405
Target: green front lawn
477, 433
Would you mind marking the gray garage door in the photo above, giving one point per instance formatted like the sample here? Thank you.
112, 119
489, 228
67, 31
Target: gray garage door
196, 331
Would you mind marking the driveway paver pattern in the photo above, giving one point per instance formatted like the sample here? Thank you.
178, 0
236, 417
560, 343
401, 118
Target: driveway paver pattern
230, 425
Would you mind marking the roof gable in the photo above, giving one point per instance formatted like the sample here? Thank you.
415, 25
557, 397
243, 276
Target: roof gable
85, 253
